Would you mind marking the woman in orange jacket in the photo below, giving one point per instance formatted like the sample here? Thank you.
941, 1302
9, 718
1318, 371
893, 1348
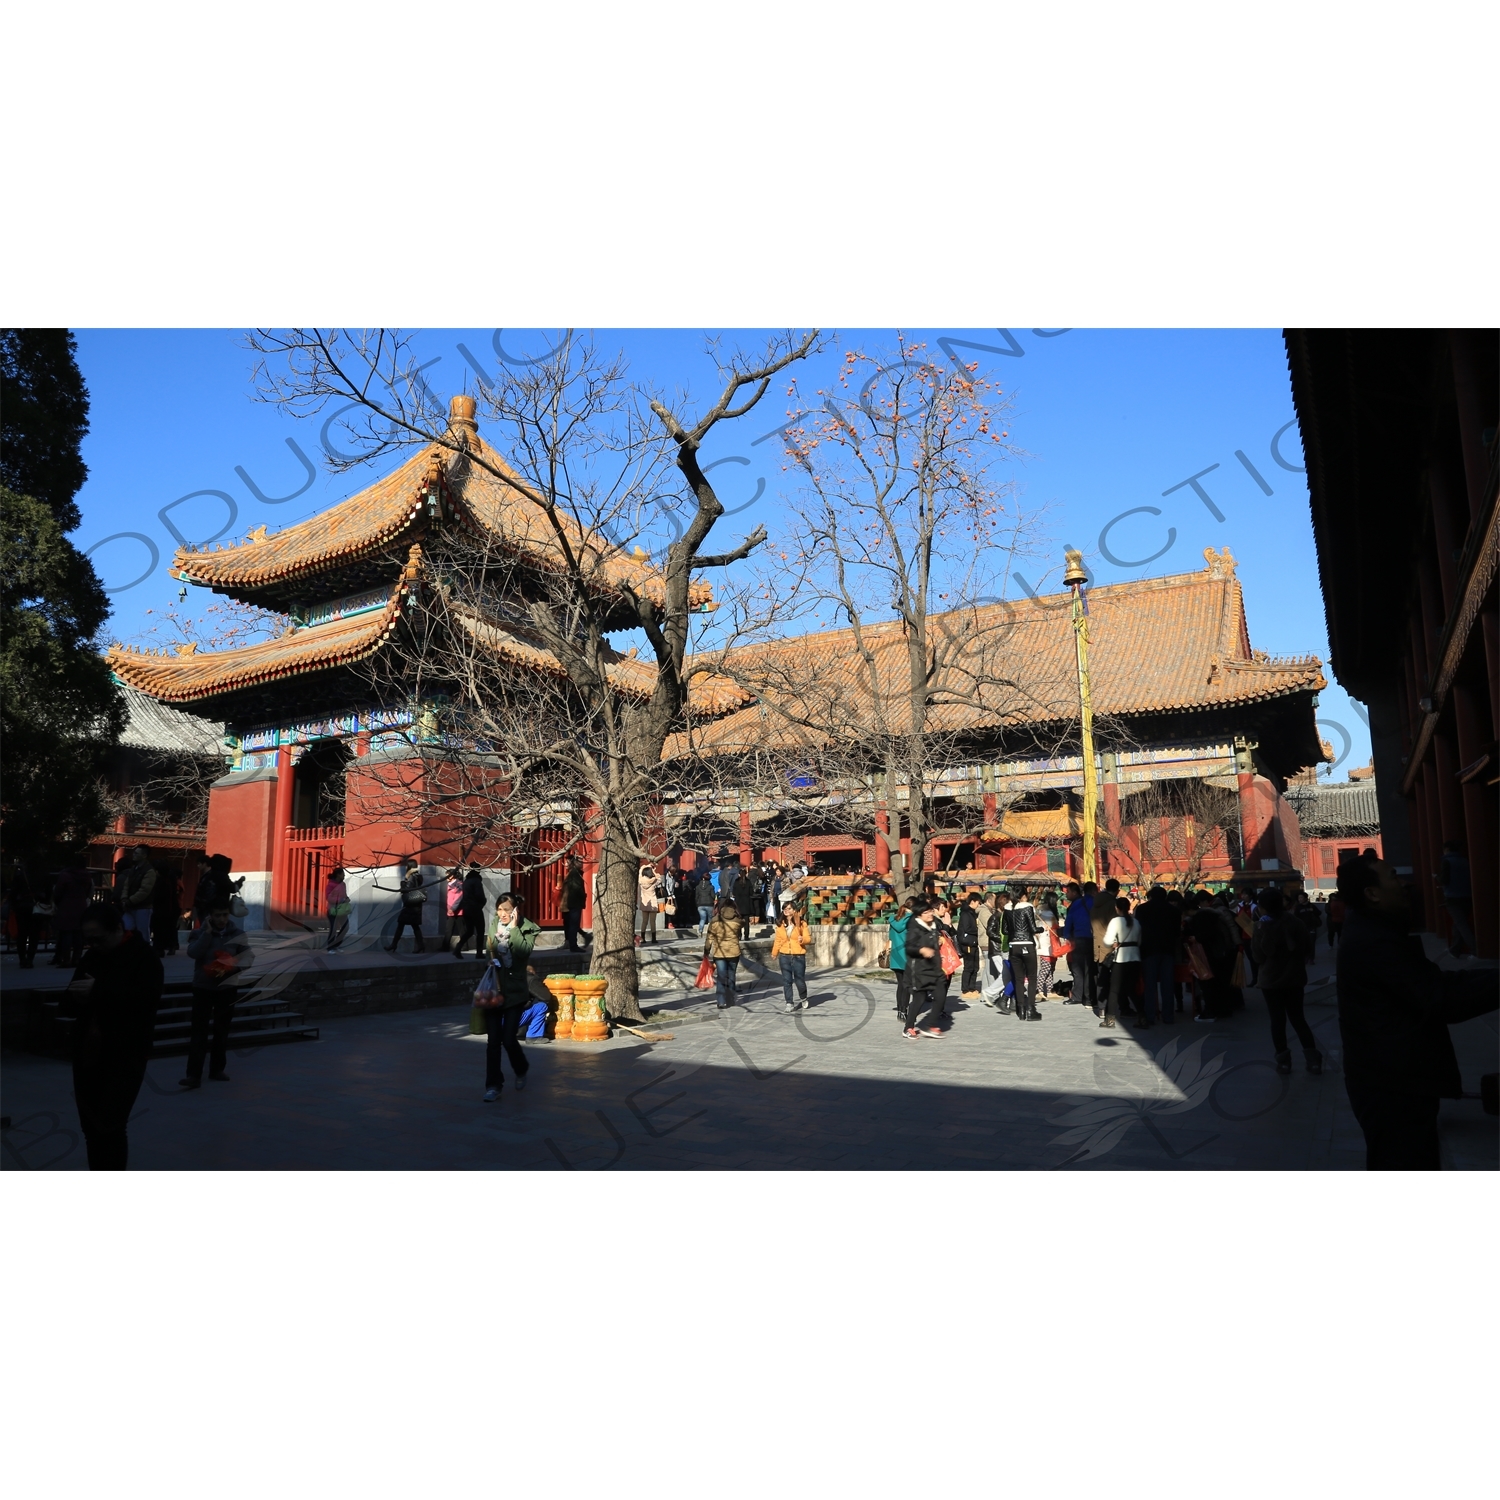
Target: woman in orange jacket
789, 948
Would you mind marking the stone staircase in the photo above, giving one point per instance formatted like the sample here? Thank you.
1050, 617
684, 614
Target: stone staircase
256, 1022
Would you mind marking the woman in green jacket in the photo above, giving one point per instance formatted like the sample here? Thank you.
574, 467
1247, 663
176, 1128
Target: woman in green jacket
512, 937
896, 926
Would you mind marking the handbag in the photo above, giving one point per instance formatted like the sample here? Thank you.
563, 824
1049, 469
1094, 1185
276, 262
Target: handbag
705, 979
1237, 980
487, 992
1198, 959
340, 908
237, 907
949, 956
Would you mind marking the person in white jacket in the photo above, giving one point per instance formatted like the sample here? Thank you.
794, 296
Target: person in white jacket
1122, 940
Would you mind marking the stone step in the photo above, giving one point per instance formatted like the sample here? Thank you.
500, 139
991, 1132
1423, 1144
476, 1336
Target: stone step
171, 1046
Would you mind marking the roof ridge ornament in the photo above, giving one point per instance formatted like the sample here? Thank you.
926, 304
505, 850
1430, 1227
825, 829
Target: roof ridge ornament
1220, 564
462, 428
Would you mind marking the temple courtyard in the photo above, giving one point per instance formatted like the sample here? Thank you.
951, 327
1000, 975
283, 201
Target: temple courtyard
834, 1086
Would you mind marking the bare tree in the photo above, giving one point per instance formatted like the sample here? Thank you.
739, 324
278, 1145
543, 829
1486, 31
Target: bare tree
522, 700
1172, 831
901, 538
222, 625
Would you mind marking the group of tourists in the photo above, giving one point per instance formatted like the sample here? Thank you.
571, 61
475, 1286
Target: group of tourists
1187, 953
690, 899
151, 893
1177, 954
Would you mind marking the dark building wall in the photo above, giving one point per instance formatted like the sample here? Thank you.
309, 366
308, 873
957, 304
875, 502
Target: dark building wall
1399, 429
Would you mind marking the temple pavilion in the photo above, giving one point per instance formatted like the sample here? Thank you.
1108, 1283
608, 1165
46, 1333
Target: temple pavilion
1180, 697
1173, 669
307, 740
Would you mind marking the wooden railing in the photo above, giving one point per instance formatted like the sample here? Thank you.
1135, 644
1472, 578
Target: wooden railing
312, 854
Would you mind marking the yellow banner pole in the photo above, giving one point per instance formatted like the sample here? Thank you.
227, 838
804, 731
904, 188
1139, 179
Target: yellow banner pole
1076, 578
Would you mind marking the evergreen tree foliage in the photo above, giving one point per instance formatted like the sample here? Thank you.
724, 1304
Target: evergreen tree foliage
60, 710
44, 415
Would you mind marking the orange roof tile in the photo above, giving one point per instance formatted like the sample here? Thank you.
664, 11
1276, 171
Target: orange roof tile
707, 694
1160, 645
396, 508
192, 676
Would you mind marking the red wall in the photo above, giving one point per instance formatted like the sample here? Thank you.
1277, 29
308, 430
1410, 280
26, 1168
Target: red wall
240, 823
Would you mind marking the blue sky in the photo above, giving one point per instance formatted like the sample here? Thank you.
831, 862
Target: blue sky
1110, 419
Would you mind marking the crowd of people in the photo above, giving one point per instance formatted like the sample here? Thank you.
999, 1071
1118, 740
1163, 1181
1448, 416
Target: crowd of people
1176, 954
690, 898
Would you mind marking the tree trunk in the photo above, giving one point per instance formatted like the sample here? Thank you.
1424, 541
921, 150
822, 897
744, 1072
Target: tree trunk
614, 923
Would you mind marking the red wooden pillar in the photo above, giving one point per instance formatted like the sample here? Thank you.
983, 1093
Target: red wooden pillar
591, 842
882, 846
280, 828
1257, 817
745, 852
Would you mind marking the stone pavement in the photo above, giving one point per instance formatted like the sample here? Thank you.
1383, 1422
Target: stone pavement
835, 1086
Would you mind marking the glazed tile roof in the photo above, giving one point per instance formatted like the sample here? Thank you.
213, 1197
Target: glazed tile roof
396, 510
191, 676
1163, 645
707, 694
1350, 809
153, 726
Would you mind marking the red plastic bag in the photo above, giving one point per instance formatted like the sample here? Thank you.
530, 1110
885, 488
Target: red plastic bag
949, 956
705, 979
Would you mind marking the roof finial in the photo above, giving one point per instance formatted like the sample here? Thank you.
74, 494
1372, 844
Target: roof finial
461, 411
1220, 564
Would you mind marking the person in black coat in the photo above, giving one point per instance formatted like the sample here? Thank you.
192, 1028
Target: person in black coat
1161, 931
471, 905
1019, 923
1213, 933
1282, 946
574, 900
166, 910
114, 996
22, 901
968, 942
1395, 1007
215, 887
707, 898
742, 893
928, 984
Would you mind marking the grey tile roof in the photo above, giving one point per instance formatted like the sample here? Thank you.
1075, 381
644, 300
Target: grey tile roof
154, 726
1349, 808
